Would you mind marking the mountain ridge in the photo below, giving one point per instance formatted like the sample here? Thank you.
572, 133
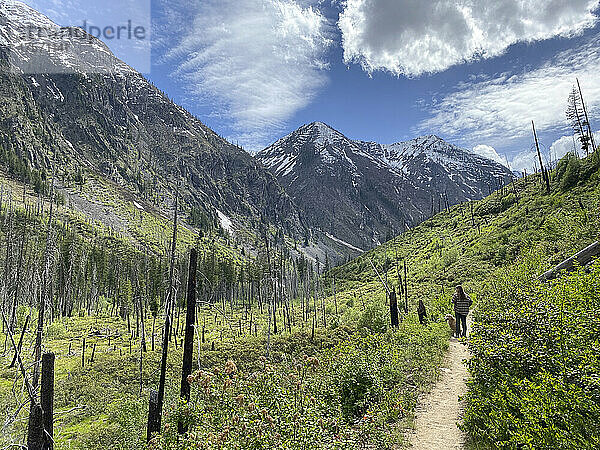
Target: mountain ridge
389, 188
82, 109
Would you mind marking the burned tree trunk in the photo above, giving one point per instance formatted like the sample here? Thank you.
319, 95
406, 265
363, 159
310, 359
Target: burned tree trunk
544, 172
154, 421
18, 350
40, 427
190, 320
582, 258
153, 415
394, 308
47, 399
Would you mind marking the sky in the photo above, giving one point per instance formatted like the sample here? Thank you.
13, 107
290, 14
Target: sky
474, 72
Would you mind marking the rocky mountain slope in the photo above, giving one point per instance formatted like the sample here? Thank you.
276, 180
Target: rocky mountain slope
68, 104
362, 192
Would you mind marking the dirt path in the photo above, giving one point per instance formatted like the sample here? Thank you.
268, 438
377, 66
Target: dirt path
439, 411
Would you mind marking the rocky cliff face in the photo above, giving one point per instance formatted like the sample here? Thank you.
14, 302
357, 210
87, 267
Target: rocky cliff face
362, 192
66, 101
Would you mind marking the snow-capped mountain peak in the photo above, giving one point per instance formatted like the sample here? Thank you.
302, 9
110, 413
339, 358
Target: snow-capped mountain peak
36, 45
346, 185
328, 147
22, 14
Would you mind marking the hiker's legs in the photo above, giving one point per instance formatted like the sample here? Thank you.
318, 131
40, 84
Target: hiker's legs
457, 316
464, 325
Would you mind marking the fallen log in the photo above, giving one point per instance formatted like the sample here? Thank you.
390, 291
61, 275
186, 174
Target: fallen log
583, 258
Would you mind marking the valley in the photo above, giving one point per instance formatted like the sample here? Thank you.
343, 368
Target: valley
163, 288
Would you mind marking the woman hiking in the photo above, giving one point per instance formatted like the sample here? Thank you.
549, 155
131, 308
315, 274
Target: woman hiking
462, 303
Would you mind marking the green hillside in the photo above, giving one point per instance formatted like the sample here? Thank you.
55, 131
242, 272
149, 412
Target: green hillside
534, 344
290, 358
466, 244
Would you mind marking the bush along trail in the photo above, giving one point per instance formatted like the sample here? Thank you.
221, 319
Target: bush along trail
533, 349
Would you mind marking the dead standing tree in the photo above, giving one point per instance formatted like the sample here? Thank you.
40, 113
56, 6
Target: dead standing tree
545, 176
37, 438
157, 398
190, 320
578, 118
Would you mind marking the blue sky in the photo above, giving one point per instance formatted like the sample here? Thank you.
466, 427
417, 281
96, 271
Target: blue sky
474, 72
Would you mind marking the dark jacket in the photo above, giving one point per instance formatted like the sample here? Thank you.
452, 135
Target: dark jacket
462, 305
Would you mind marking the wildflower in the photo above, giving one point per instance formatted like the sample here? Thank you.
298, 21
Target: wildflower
206, 379
270, 420
154, 443
230, 367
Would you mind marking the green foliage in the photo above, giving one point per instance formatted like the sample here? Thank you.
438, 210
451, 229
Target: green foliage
358, 387
374, 318
535, 361
200, 219
569, 171
348, 396
126, 297
56, 330
154, 305
20, 167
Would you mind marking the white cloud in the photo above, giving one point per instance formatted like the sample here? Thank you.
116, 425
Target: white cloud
499, 110
528, 160
487, 151
258, 61
412, 37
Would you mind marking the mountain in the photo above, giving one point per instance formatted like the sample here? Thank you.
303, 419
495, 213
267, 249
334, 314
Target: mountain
68, 104
362, 192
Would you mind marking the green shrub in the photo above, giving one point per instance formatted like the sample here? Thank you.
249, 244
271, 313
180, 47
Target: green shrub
358, 387
56, 330
569, 172
535, 361
508, 201
374, 318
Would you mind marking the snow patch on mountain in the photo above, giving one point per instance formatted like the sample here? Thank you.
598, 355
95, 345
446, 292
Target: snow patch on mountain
226, 222
36, 45
340, 241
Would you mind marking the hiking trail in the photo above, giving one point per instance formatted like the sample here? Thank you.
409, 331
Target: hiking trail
439, 411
